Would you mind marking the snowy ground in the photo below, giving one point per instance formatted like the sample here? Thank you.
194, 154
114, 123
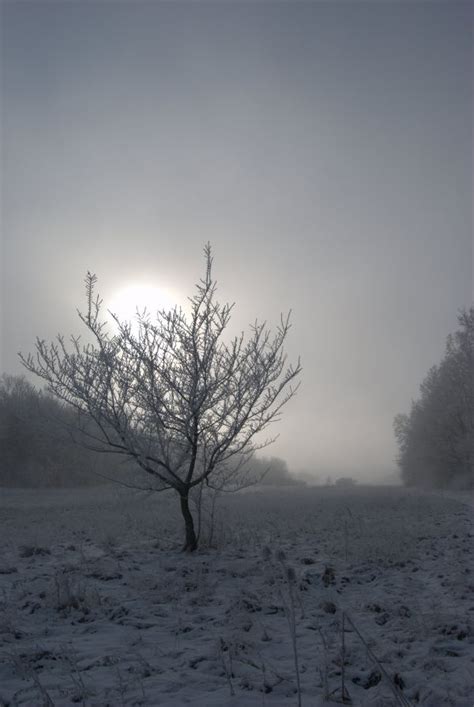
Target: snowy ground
99, 607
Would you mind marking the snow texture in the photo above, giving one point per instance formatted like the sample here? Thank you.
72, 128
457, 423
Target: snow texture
99, 607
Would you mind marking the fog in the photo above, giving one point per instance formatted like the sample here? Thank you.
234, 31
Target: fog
324, 149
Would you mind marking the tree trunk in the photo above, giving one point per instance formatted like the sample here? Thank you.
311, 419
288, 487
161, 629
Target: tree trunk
190, 543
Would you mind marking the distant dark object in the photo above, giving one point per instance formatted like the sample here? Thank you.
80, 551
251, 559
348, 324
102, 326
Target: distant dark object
436, 438
345, 482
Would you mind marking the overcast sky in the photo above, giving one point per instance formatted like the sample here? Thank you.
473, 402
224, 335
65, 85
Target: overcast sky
325, 150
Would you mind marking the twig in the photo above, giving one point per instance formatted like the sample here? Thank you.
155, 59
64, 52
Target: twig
398, 694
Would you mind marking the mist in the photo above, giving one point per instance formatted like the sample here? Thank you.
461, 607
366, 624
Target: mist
236, 353
324, 149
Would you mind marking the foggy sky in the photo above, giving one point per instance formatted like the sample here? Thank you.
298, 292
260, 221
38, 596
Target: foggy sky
325, 150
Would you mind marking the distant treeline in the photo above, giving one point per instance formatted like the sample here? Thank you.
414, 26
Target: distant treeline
37, 447
40, 446
436, 438
272, 471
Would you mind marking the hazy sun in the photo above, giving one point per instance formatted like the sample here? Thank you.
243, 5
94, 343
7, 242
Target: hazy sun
139, 296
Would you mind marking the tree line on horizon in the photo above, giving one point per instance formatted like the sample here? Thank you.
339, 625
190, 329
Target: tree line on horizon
436, 438
38, 447
41, 446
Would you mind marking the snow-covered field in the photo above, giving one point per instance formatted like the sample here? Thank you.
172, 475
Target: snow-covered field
99, 607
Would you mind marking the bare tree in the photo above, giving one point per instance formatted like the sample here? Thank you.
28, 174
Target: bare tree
170, 393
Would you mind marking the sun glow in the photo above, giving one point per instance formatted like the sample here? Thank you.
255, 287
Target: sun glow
136, 297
